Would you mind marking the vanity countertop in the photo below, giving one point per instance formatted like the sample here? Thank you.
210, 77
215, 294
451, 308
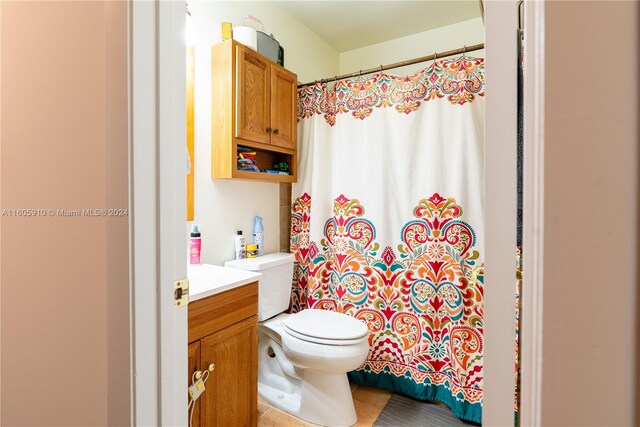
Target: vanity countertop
206, 280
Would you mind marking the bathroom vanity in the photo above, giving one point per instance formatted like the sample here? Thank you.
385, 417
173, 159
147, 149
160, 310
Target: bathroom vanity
222, 320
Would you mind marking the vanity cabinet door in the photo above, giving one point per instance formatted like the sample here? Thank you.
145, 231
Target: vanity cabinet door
231, 397
193, 354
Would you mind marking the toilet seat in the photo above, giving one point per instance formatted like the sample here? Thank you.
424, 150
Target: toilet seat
325, 327
316, 340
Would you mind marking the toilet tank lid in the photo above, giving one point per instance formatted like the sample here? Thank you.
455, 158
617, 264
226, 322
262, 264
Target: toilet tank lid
261, 263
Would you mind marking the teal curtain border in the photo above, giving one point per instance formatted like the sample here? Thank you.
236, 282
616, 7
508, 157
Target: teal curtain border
407, 386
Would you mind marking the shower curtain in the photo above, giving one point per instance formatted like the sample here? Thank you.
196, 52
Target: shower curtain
387, 224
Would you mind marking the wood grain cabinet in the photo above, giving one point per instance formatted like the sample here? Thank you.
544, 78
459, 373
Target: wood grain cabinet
223, 330
254, 104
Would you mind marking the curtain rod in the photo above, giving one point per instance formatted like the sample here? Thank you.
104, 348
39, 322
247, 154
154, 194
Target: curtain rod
400, 64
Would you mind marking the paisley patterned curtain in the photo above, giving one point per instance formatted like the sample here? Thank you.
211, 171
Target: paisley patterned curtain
387, 224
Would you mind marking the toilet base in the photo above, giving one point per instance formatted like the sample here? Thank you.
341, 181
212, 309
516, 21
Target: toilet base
286, 402
327, 400
322, 398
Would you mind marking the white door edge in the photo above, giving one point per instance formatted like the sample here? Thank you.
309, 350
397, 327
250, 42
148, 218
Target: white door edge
172, 210
533, 214
501, 47
157, 198
144, 229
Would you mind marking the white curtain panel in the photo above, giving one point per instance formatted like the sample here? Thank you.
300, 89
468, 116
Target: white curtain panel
387, 223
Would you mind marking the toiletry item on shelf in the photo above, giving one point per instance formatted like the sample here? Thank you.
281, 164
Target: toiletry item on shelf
258, 230
280, 168
240, 249
196, 245
252, 250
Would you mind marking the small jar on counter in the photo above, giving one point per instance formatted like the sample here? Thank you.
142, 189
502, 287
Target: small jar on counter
252, 250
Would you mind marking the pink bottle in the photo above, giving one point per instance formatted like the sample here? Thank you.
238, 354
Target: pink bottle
196, 245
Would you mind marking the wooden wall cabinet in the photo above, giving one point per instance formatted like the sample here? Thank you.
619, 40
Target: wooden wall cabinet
223, 329
254, 104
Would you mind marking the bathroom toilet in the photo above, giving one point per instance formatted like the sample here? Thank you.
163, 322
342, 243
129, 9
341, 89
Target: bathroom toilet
303, 358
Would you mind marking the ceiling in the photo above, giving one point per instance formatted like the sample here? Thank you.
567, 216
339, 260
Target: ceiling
348, 25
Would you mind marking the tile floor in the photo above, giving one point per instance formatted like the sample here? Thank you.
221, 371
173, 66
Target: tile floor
368, 401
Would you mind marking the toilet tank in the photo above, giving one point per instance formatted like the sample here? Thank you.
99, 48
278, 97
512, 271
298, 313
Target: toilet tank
274, 289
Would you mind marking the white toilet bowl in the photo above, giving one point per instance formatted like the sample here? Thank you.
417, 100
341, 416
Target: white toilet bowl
303, 360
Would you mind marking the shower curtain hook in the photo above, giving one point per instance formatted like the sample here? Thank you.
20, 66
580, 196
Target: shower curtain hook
435, 58
380, 69
464, 50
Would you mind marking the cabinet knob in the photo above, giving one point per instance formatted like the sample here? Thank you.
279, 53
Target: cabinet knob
276, 131
268, 130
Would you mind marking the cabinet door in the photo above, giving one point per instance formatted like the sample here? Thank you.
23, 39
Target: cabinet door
284, 90
193, 353
231, 397
252, 97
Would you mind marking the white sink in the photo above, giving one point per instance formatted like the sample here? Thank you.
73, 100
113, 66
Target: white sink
206, 280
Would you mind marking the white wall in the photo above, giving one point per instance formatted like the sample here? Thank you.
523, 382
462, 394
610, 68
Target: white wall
421, 44
224, 206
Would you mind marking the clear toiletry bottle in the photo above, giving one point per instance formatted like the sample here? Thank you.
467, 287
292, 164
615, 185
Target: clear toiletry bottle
196, 245
240, 247
258, 230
